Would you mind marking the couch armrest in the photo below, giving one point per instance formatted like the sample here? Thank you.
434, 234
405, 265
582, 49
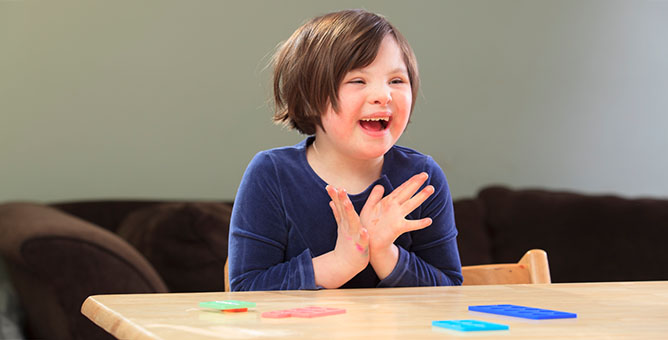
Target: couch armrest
56, 260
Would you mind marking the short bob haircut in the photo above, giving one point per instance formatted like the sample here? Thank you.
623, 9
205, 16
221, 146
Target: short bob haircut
311, 64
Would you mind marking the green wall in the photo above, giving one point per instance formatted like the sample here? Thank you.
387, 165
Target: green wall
170, 99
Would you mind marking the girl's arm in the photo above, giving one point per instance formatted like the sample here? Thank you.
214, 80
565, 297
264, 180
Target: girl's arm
259, 234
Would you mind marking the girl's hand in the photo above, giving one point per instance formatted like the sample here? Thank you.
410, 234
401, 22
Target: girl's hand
352, 242
385, 219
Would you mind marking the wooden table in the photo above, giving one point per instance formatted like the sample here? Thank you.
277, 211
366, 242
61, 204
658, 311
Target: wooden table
604, 310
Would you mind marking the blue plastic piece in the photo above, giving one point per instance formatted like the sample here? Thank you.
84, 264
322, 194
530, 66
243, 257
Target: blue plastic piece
469, 325
523, 312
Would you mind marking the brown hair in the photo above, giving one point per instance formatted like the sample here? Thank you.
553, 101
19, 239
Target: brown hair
311, 64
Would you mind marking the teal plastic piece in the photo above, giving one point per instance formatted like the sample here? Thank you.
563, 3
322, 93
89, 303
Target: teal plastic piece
469, 325
227, 304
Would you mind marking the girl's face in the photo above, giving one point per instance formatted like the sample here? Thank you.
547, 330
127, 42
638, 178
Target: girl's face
374, 107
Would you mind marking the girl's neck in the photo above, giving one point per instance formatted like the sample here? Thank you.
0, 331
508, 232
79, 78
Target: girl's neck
352, 174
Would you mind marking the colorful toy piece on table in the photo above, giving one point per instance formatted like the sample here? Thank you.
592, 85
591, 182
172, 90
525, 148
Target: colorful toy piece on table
523, 312
305, 312
469, 325
228, 305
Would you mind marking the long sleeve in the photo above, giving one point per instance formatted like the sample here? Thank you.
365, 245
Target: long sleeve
259, 235
429, 257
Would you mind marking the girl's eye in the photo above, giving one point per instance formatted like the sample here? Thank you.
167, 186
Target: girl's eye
397, 81
357, 81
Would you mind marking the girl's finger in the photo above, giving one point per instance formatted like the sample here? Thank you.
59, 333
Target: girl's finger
407, 189
364, 236
374, 197
412, 225
363, 243
334, 194
349, 214
335, 211
331, 191
416, 200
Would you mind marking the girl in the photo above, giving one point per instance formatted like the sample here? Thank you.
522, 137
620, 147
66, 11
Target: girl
315, 215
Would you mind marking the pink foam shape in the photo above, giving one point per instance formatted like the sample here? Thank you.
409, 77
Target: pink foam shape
312, 312
277, 314
305, 312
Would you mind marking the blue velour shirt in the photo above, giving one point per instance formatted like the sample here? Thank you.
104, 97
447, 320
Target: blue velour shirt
281, 220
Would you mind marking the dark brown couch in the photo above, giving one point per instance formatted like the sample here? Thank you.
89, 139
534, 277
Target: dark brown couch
58, 254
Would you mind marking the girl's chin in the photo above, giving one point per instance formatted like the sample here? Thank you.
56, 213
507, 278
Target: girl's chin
375, 152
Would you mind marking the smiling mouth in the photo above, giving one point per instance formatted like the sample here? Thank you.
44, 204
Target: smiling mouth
375, 124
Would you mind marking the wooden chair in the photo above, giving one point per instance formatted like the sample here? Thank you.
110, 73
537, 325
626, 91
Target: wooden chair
532, 268
227, 275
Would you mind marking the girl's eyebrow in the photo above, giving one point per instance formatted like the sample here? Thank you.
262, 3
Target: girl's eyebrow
396, 70
399, 70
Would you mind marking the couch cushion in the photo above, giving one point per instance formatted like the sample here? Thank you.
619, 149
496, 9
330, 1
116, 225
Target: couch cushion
185, 242
473, 238
55, 261
587, 237
104, 213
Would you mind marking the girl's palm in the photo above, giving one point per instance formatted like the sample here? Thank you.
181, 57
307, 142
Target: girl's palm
385, 217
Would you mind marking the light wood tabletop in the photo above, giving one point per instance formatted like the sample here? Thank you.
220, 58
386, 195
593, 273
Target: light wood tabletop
604, 310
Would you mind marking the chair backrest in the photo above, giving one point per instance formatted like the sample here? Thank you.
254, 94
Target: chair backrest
532, 268
227, 275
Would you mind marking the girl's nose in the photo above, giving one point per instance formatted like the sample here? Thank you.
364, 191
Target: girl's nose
380, 95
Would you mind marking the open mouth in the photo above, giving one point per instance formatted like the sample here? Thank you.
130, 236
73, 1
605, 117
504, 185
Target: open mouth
375, 124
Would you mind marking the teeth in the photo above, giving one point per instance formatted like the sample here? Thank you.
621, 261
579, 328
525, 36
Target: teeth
376, 119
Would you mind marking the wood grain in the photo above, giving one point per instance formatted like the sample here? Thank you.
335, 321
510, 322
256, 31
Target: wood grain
605, 310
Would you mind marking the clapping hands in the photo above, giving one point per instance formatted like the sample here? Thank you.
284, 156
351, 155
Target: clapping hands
369, 236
